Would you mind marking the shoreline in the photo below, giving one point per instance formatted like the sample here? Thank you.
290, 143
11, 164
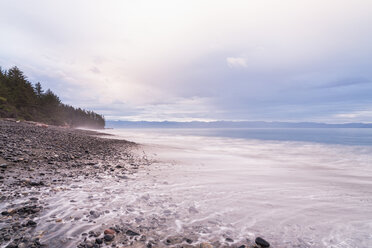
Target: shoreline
38, 162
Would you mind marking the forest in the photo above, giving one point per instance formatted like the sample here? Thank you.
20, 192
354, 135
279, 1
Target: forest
23, 100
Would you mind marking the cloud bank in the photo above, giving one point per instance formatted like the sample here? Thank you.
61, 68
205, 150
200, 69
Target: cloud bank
197, 60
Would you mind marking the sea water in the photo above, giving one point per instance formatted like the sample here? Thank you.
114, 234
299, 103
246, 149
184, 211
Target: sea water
295, 188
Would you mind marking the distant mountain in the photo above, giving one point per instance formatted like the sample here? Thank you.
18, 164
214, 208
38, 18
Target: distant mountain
229, 124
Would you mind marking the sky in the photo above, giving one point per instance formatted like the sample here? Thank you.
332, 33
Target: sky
270, 60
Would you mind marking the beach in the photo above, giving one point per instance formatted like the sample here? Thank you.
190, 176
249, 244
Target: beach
38, 161
64, 187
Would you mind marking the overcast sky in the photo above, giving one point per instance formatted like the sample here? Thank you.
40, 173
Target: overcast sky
272, 60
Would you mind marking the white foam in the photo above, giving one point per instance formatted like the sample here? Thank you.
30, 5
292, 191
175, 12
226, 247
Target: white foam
291, 193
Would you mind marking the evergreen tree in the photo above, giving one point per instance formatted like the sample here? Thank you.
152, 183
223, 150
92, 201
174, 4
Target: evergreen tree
20, 99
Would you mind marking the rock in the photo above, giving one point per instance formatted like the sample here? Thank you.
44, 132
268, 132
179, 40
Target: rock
94, 214
99, 241
173, 240
89, 244
3, 166
31, 223
109, 231
131, 233
36, 183
205, 245
22, 245
229, 240
11, 245
193, 210
108, 237
58, 220
261, 242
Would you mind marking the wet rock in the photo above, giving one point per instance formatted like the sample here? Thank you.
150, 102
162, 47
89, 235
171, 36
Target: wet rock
36, 183
31, 223
108, 237
131, 233
94, 234
261, 242
22, 245
89, 244
99, 241
229, 240
94, 214
189, 241
193, 210
186, 246
109, 231
173, 240
12, 245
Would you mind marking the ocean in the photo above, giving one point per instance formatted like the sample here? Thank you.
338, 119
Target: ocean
341, 136
296, 187
293, 187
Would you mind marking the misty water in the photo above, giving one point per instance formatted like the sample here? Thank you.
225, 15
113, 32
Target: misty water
314, 191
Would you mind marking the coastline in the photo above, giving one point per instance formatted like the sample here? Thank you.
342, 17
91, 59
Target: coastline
40, 162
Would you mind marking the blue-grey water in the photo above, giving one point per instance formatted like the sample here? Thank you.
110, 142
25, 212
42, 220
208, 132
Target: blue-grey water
295, 187
342, 136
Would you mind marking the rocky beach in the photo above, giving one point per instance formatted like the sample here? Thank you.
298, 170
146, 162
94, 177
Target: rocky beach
48, 195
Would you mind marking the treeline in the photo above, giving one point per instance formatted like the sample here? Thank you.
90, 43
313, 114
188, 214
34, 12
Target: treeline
21, 99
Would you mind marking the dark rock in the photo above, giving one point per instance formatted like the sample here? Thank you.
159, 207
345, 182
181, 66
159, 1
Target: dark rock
12, 245
261, 242
132, 233
229, 240
36, 183
31, 223
94, 214
189, 241
108, 237
99, 241
89, 244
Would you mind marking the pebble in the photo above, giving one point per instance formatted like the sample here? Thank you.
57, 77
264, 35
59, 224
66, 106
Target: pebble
109, 231
229, 240
261, 242
108, 237
205, 245
22, 245
31, 223
132, 233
